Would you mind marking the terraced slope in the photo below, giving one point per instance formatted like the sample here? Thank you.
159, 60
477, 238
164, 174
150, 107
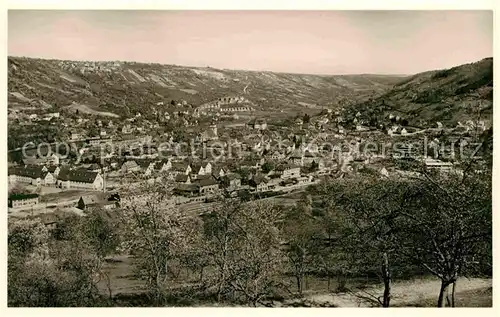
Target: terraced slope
451, 95
122, 88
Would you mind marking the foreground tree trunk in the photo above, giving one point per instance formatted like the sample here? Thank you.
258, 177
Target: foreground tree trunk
444, 295
223, 267
108, 285
299, 284
387, 293
328, 281
342, 282
220, 286
201, 273
386, 275
453, 294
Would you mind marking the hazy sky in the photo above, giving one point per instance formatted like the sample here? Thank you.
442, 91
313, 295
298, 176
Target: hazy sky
328, 42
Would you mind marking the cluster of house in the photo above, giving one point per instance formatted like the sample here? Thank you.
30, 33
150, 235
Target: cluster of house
102, 203
46, 117
257, 124
399, 128
102, 200
290, 164
85, 67
203, 178
55, 176
261, 166
45, 171
461, 128
470, 125
32, 117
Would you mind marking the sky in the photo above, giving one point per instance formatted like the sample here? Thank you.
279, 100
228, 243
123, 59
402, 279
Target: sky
315, 42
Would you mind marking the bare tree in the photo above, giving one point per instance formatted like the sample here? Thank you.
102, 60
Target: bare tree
102, 235
220, 231
156, 230
259, 262
44, 272
364, 211
301, 233
245, 247
447, 225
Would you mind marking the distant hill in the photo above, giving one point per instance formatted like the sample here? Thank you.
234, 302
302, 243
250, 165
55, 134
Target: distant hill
448, 96
123, 88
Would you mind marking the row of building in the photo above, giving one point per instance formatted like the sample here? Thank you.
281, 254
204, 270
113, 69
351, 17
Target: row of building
55, 176
225, 105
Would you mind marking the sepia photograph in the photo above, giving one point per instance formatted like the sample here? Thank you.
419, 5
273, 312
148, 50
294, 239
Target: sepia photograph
249, 158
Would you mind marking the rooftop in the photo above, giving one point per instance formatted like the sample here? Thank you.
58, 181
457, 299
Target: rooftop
78, 176
22, 196
91, 199
33, 172
210, 181
187, 187
181, 178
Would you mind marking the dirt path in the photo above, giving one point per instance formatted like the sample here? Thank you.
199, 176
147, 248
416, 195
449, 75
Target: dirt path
245, 89
402, 293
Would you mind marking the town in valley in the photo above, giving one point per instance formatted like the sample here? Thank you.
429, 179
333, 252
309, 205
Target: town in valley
167, 185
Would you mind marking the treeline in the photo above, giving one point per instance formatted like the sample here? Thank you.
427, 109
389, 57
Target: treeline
254, 253
20, 135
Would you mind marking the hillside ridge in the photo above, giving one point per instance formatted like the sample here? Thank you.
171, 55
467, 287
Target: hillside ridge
447, 95
126, 87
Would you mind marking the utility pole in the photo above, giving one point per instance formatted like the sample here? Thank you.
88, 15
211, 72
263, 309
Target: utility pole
103, 178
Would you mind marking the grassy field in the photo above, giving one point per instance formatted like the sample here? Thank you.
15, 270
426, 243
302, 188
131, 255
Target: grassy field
417, 292
123, 280
471, 298
87, 109
68, 195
